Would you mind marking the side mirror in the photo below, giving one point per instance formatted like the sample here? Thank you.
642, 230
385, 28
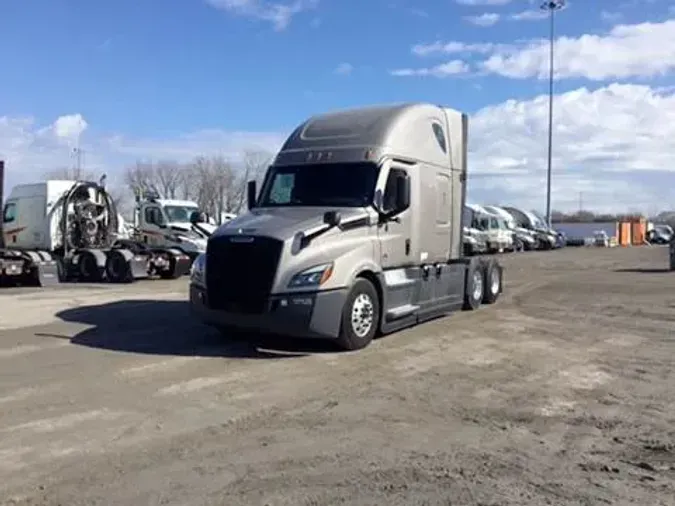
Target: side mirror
332, 218
402, 193
194, 217
251, 193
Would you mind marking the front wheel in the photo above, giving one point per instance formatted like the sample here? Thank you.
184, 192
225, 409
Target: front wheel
360, 316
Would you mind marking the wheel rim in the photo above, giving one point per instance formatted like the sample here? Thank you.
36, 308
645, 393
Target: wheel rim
494, 286
477, 285
362, 314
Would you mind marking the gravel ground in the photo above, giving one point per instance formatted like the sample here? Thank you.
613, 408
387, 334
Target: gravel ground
561, 393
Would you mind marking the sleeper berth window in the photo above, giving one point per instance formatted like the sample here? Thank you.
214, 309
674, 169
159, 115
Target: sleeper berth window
440, 136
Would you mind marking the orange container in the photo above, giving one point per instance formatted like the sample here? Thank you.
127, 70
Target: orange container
624, 233
638, 231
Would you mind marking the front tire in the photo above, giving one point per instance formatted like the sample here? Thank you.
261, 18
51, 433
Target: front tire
360, 316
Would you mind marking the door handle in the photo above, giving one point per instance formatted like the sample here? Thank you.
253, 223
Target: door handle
407, 247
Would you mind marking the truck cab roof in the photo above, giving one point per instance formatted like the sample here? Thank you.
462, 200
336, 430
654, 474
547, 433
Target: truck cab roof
368, 133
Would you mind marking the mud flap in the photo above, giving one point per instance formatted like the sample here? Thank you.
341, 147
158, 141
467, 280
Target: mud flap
179, 264
139, 266
46, 271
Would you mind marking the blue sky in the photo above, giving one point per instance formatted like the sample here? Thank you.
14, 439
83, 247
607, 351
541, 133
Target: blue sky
147, 78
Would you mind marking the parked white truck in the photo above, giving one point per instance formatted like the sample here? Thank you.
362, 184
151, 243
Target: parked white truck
70, 231
170, 223
357, 230
498, 236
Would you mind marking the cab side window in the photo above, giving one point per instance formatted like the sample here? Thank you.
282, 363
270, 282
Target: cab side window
9, 214
153, 216
389, 199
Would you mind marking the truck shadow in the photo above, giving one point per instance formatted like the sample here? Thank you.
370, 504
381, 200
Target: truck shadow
640, 270
167, 328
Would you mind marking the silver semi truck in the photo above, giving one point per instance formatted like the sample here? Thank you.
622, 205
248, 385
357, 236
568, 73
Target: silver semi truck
356, 231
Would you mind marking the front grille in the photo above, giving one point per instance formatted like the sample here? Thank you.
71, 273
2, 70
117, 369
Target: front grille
240, 272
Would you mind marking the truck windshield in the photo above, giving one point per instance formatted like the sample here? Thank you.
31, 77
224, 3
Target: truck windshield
320, 185
179, 213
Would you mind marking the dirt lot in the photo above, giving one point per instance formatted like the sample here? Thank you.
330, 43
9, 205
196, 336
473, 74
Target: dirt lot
562, 393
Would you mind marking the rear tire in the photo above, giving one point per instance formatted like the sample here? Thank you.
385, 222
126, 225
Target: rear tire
360, 316
493, 282
474, 289
88, 268
117, 268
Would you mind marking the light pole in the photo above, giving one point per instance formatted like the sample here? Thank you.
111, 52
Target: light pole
551, 6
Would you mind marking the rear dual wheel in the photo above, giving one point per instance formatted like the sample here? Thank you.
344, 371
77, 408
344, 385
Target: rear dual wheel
483, 284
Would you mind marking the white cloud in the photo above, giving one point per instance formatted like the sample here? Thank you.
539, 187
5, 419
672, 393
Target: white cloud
70, 127
641, 50
485, 19
452, 47
474, 3
616, 144
530, 15
277, 13
451, 68
32, 149
344, 69
607, 144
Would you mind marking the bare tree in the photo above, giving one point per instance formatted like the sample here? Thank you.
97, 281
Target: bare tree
140, 177
168, 177
255, 164
222, 179
214, 183
204, 192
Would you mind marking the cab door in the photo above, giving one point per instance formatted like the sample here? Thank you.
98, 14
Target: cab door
395, 235
152, 224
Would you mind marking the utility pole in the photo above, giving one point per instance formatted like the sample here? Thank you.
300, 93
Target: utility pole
551, 6
77, 153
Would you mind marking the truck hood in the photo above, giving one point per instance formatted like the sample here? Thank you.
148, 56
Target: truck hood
189, 229
284, 223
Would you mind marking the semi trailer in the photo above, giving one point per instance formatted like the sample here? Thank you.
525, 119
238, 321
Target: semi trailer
56, 231
356, 231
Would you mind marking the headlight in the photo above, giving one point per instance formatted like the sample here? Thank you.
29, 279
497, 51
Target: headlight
314, 276
198, 269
